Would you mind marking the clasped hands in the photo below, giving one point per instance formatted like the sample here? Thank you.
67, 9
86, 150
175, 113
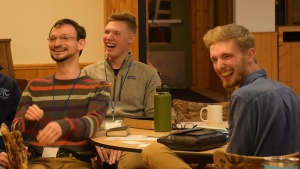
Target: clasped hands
108, 155
50, 133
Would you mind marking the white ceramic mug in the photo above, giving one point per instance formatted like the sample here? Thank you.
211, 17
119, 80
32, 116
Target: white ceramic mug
214, 114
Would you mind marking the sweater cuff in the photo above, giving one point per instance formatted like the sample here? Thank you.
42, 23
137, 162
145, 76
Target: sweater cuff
29, 124
65, 127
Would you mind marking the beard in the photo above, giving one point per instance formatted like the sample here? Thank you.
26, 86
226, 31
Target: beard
236, 81
58, 60
230, 85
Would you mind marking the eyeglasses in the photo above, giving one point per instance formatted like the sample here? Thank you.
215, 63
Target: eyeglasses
180, 126
63, 38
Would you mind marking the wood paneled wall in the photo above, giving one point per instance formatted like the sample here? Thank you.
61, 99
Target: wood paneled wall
202, 20
204, 77
267, 52
5, 58
29, 71
289, 57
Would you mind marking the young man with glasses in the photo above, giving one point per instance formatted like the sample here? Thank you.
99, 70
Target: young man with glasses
62, 112
133, 83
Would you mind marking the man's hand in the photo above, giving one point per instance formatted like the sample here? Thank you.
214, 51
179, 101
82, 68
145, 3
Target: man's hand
108, 155
27, 152
4, 159
34, 113
49, 134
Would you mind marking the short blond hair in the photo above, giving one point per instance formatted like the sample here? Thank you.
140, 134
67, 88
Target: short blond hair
238, 33
127, 17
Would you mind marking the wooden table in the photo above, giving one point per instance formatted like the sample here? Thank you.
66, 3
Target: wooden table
137, 144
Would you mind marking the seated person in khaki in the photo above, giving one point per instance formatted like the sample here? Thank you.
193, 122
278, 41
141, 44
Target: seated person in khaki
133, 83
264, 115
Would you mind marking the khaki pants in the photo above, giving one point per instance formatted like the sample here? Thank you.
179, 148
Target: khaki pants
54, 163
158, 156
129, 160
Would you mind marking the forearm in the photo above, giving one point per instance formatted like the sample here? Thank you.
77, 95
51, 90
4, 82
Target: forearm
24, 126
88, 121
79, 128
19, 122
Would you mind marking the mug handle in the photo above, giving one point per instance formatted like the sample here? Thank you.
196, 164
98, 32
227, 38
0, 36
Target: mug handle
204, 108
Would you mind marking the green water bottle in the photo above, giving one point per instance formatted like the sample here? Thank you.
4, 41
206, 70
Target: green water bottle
162, 109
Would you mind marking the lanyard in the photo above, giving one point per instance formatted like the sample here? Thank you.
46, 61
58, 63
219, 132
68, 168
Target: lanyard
53, 94
122, 84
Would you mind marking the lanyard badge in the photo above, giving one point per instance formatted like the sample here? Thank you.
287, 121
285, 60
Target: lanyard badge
50, 151
117, 99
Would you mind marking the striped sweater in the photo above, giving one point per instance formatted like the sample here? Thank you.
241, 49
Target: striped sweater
82, 117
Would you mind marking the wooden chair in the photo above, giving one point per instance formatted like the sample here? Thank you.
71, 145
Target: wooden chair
223, 159
187, 111
296, 155
22, 84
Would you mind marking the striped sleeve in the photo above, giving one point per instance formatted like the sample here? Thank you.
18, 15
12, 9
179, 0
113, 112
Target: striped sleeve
87, 125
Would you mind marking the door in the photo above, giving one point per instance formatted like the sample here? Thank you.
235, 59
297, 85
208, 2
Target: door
169, 40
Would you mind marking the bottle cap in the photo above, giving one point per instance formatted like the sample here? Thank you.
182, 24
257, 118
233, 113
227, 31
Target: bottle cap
163, 88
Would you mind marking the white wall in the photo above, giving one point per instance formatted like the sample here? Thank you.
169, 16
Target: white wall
256, 15
28, 22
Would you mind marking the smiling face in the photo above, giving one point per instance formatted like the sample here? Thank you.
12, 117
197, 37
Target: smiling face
117, 39
230, 63
65, 45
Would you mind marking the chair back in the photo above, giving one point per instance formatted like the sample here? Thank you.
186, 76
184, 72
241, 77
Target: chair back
187, 111
223, 159
22, 84
296, 155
